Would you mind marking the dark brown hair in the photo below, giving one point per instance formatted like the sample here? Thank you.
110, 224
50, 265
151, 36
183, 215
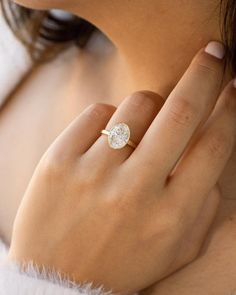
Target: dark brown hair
45, 33
41, 30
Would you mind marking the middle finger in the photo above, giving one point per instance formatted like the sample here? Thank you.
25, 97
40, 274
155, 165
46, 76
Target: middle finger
188, 106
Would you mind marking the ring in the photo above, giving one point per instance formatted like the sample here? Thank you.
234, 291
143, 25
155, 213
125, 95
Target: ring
119, 136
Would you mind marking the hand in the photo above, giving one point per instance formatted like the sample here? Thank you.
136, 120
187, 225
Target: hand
128, 218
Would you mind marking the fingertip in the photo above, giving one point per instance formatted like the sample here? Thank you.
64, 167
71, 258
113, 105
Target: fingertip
216, 49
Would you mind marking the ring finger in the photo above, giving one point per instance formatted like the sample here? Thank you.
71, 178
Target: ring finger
137, 111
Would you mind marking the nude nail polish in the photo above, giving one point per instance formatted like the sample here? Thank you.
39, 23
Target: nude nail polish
216, 49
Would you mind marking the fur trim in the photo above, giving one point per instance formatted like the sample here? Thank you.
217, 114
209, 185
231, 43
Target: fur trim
15, 281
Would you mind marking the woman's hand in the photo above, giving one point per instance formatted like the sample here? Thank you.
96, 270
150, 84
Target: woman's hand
127, 218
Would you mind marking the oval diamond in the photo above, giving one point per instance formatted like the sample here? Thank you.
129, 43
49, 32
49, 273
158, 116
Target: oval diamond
119, 136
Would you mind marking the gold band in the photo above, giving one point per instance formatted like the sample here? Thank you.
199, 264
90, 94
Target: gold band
130, 142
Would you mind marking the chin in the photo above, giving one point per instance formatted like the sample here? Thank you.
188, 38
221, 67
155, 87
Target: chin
39, 4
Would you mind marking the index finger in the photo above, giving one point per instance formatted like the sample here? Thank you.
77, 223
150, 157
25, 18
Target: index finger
188, 105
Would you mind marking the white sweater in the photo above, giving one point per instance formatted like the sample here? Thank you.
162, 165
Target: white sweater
15, 62
14, 281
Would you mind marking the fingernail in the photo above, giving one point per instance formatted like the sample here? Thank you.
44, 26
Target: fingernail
216, 49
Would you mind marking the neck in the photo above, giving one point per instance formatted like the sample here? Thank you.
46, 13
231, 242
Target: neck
153, 52
155, 44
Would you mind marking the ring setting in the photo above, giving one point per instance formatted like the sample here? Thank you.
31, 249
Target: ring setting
119, 136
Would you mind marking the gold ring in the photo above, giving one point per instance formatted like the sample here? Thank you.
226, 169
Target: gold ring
119, 136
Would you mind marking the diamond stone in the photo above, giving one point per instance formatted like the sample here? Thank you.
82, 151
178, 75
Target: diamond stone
119, 136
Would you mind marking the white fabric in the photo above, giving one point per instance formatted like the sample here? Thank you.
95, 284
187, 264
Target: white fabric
14, 281
15, 61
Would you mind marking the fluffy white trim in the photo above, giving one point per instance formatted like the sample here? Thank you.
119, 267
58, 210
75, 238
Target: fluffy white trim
15, 61
15, 281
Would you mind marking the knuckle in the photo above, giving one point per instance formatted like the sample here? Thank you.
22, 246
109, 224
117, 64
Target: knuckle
207, 66
99, 109
209, 72
52, 164
183, 112
219, 145
143, 97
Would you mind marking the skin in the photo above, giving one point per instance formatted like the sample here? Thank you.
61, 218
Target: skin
167, 61
154, 32
153, 218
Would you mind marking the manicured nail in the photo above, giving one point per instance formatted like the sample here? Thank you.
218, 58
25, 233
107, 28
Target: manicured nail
216, 49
